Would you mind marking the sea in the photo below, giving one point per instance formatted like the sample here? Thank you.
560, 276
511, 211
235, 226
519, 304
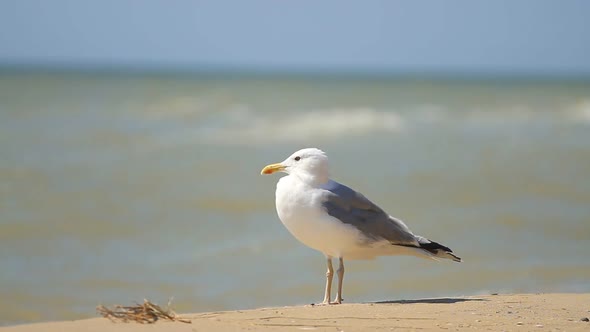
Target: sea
120, 187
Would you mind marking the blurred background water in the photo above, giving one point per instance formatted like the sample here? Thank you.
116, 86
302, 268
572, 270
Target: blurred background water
118, 188
132, 137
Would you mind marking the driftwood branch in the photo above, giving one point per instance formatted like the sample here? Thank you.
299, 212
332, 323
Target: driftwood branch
146, 313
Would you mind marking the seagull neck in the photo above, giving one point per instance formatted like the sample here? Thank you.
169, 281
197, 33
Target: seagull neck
313, 180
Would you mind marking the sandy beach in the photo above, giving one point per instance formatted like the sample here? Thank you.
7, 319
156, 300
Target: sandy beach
519, 312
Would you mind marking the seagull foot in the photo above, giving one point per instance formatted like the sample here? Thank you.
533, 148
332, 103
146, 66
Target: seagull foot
327, 303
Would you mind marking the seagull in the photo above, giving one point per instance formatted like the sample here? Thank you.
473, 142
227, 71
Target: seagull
339, 221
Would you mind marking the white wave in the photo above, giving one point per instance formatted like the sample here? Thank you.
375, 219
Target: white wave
249, 128
237, 124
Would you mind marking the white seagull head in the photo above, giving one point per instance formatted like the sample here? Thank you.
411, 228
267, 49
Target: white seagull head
309, 165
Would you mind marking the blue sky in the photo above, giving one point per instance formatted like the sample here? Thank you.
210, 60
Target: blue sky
523, 36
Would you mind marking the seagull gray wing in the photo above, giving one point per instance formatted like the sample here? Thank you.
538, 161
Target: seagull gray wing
351, 207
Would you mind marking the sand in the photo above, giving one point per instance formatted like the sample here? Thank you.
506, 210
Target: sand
522, 312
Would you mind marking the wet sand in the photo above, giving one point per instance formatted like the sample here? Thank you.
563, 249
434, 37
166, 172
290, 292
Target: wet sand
517, 312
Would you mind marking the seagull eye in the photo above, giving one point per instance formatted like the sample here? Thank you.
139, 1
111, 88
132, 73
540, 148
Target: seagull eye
297, 158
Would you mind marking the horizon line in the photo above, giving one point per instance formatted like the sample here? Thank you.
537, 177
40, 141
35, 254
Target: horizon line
244, 71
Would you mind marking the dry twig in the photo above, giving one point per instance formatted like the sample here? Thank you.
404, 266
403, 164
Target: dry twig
146, 313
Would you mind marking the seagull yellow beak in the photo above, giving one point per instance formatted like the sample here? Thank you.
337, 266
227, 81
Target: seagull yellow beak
272, 168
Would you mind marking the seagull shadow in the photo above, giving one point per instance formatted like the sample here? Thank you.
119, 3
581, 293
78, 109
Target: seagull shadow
444, 300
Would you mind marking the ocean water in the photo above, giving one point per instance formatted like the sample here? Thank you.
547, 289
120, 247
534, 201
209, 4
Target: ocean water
118, 188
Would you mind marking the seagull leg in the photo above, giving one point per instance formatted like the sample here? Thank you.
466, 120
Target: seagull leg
340, 272
329, 275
